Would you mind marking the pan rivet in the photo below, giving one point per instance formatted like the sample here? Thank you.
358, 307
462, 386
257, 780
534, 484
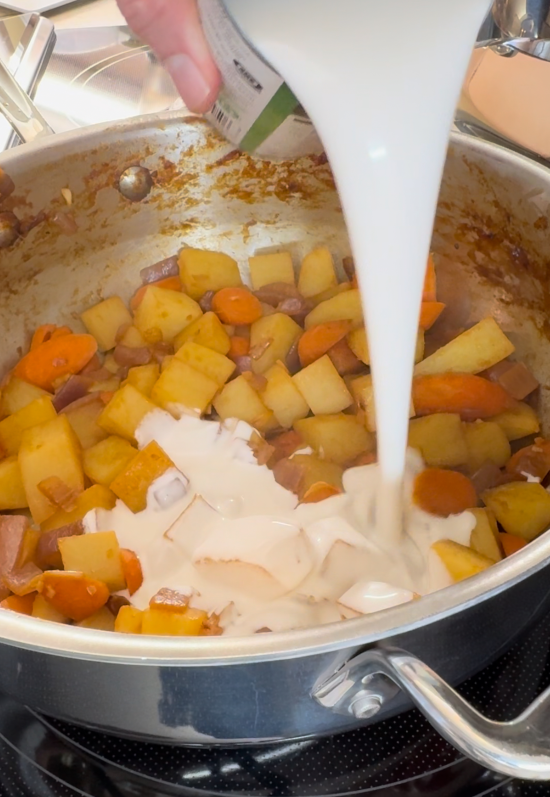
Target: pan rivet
9, 229
366, 706
135, 183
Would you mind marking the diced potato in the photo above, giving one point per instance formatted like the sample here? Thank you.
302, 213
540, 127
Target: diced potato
344, 306
102, 620
160, 622
106, 385
45, 611
83, 420
460, 561
50, 449
521, 508
480, 347
129, 620
317, 273
103, 321
485, 537
518, 422
103, 462
12, 492
273, 267
202, 271
96, 555
486, 442
132, 483
133, 338
18, 394
125, 411
208, 331
28, 547
277, 332
110, 363
322, 387
167, 311
318, 470
11, 428
209, 362
143, 377
337, 438
439, 439
283, 397
238, 399
95, 497
342, 287
72, 594
362, 390
181, 388
358, 343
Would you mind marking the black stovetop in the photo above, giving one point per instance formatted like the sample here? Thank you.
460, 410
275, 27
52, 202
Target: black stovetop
401, 757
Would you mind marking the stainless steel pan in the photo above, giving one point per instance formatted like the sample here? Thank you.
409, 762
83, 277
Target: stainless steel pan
493, 252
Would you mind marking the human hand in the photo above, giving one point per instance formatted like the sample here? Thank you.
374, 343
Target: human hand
173, 30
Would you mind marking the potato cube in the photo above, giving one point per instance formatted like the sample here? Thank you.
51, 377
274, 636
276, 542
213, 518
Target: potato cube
83, 420
95, 497
45, 611
160, 622
317, 273
103, 462
110, 363
439, 439
102, 620
12, 491
283, 397
518, 422
485, 537
322, 387
144, 377
460, 561
103, 321
344, 306
133, 338
480, 347
362, 390
125, 411
96, 555
209, 362
337, 438
164, 311
50, 449
132, 483
342, 287
11, 428
318, 470
358, 343
181, 388
273, 267
486, 442
272, 338
202, 270
208, 331
18, 394
129, 620
238, 399
521, 508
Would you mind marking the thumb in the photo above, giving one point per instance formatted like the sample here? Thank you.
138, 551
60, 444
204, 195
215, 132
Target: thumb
173, 30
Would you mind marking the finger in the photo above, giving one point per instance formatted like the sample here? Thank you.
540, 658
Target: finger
173, 29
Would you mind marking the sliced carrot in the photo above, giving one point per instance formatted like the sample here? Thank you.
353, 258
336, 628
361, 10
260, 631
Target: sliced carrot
443, 492
316, 341
472, 397
511, 544
19, 603
236, 306
285, 444
319, 491
429, 313
74, 594
131, 568
60, 332
429, 291
42, 334
169, 284
532, 460
56, 358
239, 347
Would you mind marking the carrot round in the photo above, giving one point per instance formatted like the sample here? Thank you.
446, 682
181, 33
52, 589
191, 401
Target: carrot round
19, 603
316, 341
443, 492
238, 347
429, 313
472, 397
169, 284
131, 568
429, 291
511, 544
55, 358
73, 594
236, 306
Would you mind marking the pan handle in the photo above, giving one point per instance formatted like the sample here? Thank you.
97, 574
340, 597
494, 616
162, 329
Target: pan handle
19, 109
520, 748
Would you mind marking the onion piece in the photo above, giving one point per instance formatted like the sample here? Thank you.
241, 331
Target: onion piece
116, 602
256, 351
518, 381
289, 474
47, 550
59, 493
89, 398
24, 580
243, 364
205, 302
132, 356
65, 222
160, 350
488, 476
292, 359
161, 270
276, 292
349, 267
262, 450
76, 387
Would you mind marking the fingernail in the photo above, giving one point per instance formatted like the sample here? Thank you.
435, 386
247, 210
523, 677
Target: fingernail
190, 82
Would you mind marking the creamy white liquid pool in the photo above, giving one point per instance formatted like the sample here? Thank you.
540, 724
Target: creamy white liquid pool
219, 528
380, 81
